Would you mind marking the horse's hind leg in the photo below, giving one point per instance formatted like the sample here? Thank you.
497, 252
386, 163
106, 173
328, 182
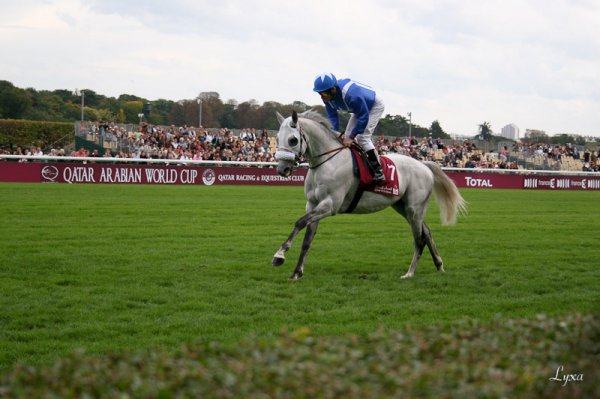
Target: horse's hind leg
437, 259
311, 230
414, 217
419, 245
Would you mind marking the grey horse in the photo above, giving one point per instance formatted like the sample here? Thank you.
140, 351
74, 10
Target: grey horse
330, 187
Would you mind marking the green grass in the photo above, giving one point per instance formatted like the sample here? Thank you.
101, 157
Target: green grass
113, 267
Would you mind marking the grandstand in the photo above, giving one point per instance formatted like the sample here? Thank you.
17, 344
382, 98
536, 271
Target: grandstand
245, 145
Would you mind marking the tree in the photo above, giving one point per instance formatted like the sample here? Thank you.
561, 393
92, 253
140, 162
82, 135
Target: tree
485, 131
190, 112
14, 102
92, 99
131, 110
393, 125
65, 105
111, 104
176, 115
267, 113
299, 106
212, 110
227, 118
160, 111
120, 118
565, 138
128, 97
437, 132
245, 115
535, 136
102, 114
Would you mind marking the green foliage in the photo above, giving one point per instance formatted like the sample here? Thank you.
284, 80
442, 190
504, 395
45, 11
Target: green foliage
100, 114
131, 109
437, 132
13, 101
227, 118
19, 133
63, 105
536, 136
395, 125
468, 359
485, 131
567, 139
160, 110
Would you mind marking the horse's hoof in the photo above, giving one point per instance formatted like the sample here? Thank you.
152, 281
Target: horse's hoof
277, 261
295, 276
407, 275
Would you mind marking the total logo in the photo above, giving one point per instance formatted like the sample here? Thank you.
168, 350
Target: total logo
209, 177
473, 182
50, 173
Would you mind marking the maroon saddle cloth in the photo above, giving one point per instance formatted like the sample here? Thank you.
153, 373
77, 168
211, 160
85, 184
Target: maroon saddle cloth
363, 171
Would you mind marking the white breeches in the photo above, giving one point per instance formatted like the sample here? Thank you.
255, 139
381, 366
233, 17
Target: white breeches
364, 139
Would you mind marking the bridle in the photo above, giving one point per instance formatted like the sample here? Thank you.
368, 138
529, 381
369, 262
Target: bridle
290, 155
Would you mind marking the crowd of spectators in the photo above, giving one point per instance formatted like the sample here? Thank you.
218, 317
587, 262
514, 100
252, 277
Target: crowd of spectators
559, 153
189, 143
185, 143
552, 151
33, 151
461, 155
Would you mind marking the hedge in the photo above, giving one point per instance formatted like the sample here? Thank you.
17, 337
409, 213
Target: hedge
469, 359
21, 133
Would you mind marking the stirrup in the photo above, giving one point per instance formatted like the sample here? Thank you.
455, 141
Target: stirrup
379, 177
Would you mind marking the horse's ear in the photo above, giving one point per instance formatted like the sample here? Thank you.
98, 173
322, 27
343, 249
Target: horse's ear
294, 117
280, 117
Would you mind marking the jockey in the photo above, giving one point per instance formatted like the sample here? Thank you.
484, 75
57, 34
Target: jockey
365, 109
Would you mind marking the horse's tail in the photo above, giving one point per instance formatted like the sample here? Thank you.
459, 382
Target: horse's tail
450, 201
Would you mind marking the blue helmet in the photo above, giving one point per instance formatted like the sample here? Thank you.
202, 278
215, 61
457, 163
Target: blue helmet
324, 82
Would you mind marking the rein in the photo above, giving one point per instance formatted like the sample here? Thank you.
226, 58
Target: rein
335, 151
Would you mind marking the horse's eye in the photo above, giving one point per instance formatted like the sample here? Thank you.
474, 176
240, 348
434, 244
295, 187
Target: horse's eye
293, 141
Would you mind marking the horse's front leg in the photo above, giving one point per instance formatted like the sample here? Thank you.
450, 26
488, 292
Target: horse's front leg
313, 215
279, 257
311, 230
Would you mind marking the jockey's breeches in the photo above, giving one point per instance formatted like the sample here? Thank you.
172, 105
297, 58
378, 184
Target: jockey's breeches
364, 139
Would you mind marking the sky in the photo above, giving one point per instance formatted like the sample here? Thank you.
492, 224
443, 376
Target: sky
534, 63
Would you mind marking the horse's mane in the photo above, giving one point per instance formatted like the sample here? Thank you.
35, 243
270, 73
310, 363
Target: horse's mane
316, 117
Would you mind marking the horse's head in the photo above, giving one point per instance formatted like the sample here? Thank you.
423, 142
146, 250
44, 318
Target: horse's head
291, 144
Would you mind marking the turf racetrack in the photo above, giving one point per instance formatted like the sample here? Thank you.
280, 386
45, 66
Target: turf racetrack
107, 268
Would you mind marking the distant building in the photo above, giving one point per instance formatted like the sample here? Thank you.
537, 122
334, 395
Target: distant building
510, 131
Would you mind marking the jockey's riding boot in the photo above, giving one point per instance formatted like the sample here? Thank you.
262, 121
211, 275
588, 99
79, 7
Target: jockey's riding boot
378, 176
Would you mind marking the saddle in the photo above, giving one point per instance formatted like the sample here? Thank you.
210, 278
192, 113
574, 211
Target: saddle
363, 171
